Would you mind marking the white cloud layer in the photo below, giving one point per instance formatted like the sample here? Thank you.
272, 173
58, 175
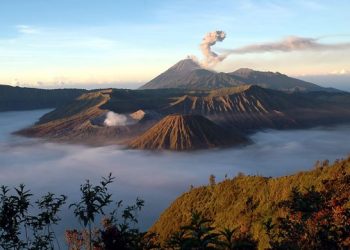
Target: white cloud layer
156, 177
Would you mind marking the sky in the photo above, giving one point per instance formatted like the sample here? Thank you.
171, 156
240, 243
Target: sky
126, 43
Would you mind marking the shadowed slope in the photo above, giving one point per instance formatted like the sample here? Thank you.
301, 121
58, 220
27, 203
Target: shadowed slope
185, 132
20, 98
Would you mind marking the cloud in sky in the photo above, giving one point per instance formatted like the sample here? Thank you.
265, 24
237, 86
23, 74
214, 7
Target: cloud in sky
26, 29
116, 40
340, 72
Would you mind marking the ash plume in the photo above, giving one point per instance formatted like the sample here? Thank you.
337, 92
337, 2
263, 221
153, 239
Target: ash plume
288, 44
210, 39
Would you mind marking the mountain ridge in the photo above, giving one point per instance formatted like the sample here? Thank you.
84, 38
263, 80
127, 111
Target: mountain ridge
244, 108
23, 98
188, 74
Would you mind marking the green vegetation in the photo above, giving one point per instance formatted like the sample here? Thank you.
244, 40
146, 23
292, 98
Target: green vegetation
309, 210
248, 202
315, 219
19, 228
199, 234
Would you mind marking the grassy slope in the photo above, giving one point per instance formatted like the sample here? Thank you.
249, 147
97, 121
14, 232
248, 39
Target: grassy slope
225, 202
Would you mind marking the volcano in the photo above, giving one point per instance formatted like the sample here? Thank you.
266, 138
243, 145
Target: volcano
173, 77
186, 132
188, 74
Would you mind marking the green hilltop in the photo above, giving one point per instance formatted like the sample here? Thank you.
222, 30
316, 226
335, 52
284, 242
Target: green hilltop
248, 201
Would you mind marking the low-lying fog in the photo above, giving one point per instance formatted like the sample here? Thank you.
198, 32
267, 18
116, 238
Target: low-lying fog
158, 178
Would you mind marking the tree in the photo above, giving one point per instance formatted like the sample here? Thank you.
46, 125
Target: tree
15, 219
93, 201
212, 180
199, 234
234, 240
315, 220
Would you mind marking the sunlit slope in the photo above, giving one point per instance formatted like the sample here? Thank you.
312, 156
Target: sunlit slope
72, 120
186, 132
247, 201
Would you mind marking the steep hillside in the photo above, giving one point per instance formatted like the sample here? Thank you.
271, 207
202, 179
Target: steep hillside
245, 107
246, 201
70, 119
186, 132
242, 99
76, 121
17, 98
250, 107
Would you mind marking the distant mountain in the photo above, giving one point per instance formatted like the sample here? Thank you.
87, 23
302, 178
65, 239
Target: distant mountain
188, 74
186, 132
17, 98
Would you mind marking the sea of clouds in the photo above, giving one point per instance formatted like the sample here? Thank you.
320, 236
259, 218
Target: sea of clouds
158, 178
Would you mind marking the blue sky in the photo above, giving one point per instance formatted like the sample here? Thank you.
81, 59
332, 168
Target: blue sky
46, 42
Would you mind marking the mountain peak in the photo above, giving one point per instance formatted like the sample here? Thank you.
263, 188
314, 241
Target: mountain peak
246, 72
243, 71
174, 75
185, 65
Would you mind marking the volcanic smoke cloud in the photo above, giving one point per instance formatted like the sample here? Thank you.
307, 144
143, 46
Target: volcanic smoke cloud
114, 119
210, 39
288, 44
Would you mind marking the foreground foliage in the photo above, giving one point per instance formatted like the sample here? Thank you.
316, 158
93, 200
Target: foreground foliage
248, 202
315, 220
20, 228
309, 217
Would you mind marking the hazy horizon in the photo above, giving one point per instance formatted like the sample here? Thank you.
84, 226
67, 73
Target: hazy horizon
341, 82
